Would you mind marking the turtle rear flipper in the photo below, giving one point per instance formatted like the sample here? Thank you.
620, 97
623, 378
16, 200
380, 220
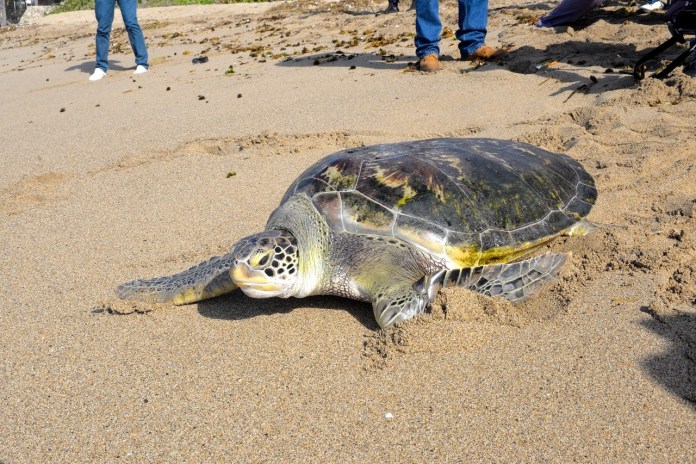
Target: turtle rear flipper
513, 281
206, 280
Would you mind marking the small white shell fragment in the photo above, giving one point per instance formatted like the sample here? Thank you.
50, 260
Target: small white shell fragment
389, 416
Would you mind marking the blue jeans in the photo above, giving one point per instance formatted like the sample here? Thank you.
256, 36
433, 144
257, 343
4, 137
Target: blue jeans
104, 11
473, 18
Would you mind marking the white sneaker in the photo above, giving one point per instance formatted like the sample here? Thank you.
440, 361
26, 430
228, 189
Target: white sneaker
656, 5
140, 69
98, 74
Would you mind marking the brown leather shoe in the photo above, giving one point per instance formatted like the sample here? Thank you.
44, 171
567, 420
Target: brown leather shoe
429, 63
486, 53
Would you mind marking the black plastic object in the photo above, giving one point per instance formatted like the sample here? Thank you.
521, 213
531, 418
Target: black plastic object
681, 21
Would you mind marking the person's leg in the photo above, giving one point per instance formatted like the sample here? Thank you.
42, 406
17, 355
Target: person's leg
473, 18
428, 28
104, 11
135, 34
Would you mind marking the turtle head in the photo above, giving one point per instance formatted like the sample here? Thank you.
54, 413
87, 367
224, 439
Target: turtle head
266, 264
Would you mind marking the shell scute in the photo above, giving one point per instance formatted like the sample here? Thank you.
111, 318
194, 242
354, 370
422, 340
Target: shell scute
313, 186
495, 238
361, 215
329, 204
559, 221
586, 192
532, 232
421, 232
578, 208
338, 172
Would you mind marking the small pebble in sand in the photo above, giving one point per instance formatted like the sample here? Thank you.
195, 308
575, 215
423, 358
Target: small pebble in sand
389, 416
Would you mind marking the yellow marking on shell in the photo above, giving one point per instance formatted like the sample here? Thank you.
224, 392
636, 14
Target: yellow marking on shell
472, 256
463, 257
393, 180
502, 254
454, 162
397, 179
438, 192
336, 178
509, 253
362, 214
409, 193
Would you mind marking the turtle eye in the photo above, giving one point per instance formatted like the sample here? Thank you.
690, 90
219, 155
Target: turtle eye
259, 260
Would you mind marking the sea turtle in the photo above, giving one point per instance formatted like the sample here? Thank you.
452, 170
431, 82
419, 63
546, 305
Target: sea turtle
392, 224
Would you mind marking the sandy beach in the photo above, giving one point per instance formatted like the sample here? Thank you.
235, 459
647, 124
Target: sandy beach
140, 176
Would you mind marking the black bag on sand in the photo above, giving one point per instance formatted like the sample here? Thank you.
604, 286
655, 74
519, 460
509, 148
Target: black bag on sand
681, 21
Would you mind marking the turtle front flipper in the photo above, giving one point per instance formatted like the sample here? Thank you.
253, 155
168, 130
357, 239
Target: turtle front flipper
397, 304
206, 280
512, 281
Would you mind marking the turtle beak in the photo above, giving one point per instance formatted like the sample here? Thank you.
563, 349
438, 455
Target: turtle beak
253, 283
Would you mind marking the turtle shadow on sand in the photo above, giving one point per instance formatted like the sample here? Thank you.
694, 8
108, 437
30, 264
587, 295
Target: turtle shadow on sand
541, 7
237, 306
339, 59
574, 61
358, 13
674, 368
355, 9
611, 12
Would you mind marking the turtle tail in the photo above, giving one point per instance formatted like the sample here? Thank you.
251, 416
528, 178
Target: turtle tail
206, 280
512, 281
582, 227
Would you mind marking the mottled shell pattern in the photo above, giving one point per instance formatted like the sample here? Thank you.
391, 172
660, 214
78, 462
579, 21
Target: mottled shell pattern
473, 201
